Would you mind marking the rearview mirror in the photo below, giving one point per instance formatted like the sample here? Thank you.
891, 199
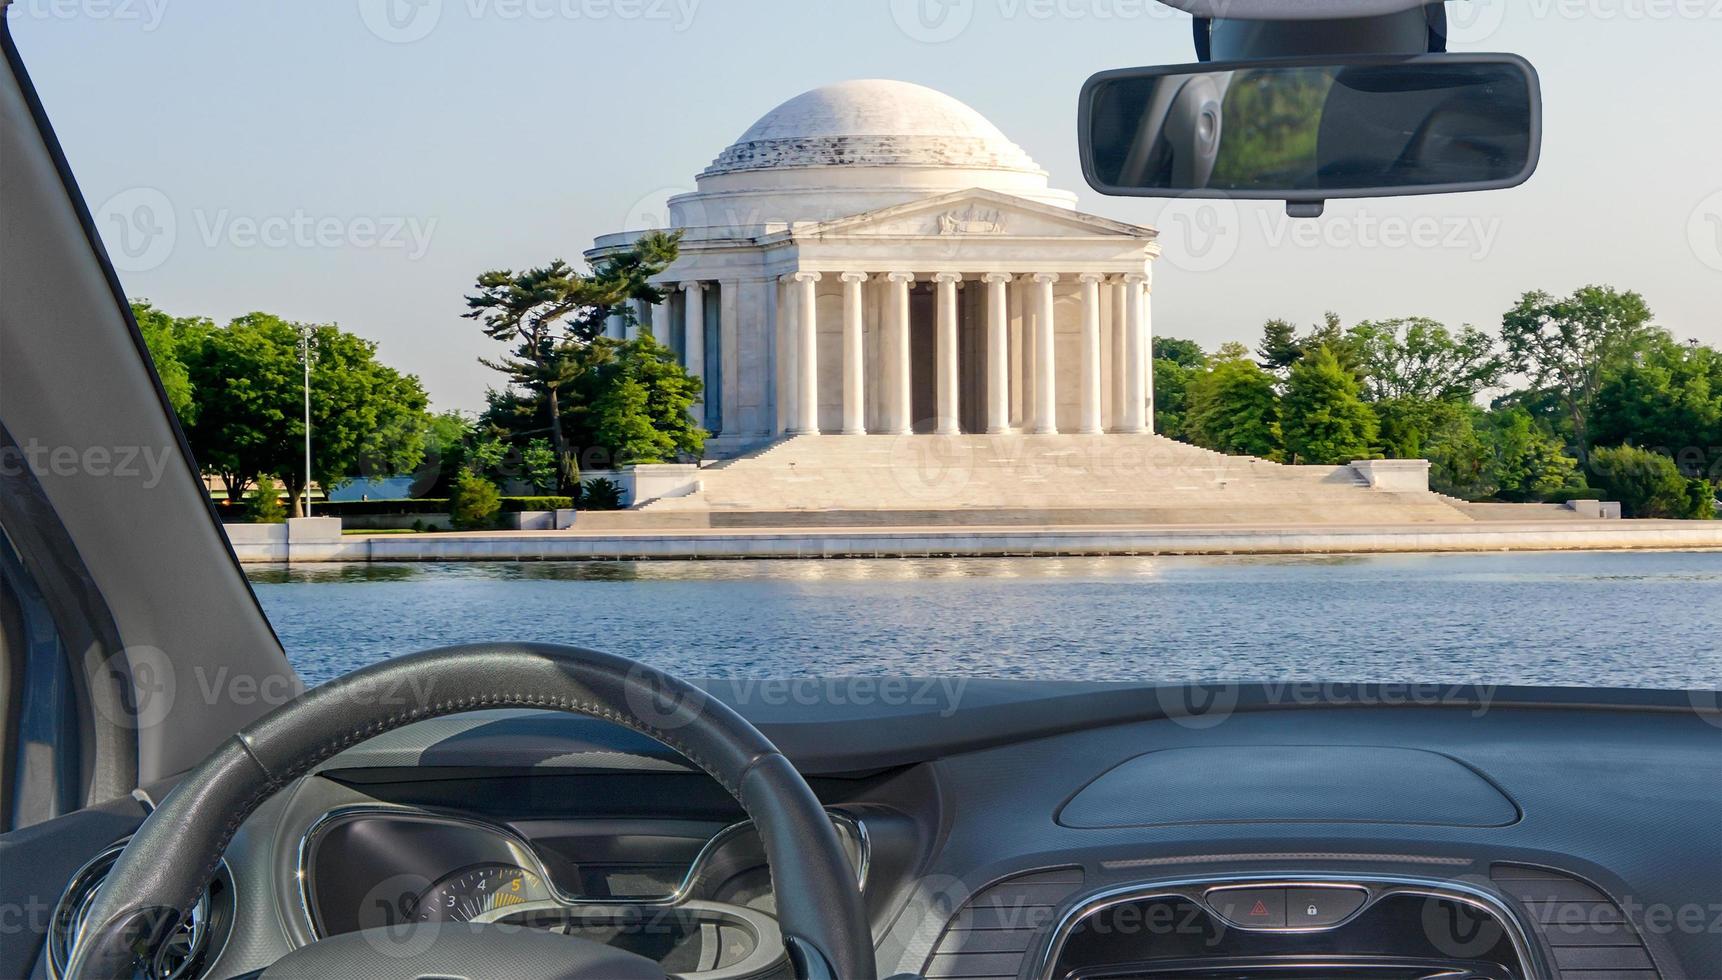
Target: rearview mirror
1310, 130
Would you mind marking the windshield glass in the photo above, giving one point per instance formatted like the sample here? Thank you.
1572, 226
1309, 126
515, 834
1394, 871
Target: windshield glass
786, 339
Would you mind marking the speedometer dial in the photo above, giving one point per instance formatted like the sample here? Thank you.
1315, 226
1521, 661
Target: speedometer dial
481, 894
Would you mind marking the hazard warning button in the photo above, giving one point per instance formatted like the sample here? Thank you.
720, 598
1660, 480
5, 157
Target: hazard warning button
1250, 908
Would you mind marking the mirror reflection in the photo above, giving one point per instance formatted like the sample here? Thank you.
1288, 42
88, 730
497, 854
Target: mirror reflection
1288, 129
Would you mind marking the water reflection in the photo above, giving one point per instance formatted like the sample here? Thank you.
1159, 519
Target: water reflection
784, 570
1614, 620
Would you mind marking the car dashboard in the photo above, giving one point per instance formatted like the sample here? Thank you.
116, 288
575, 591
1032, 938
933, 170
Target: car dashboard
1036, 832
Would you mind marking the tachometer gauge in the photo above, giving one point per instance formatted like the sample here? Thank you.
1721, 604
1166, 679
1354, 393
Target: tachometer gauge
482, 894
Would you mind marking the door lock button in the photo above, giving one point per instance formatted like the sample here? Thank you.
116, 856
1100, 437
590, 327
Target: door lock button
1319, 908
1250, 908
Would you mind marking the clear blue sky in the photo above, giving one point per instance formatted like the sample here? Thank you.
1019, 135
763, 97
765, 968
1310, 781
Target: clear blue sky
326, 161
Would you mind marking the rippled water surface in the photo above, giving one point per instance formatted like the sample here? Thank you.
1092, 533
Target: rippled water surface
1616, 620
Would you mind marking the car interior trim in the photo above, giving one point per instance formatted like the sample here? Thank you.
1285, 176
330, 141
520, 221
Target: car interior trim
1381, 886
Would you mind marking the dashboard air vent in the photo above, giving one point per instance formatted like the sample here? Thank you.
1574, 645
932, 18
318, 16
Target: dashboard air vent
1587, 931
992, 933
186, 953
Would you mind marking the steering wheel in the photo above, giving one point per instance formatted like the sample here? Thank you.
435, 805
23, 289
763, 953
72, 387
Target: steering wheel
174, 855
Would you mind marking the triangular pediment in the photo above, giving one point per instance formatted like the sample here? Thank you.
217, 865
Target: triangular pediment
976, 213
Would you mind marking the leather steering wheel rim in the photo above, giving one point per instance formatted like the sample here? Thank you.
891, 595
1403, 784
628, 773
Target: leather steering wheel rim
174, 855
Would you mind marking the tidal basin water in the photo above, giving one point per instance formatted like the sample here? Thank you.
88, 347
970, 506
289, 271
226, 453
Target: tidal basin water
1599, 619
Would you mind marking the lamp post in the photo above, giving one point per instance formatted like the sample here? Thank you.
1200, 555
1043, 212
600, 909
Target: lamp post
307, 351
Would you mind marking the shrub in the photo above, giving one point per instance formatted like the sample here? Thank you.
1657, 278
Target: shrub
1648, 484
475, 503
263, 505
601, 494
520, 505
384, 508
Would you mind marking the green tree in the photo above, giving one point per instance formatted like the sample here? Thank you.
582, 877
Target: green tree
1280, 347
250, 384
541, 465
1184, 353
1461, 462
447, 444
549, 314
1325, 419
161, 334
263, 506
1567, 346
1409, 426
475, 502
1649, 485
1527, 462
634, 404
1176, 364
1419, 360
1668, 398
1233, 407
367, 419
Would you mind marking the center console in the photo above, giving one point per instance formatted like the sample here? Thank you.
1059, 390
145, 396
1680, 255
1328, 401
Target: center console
1290, 928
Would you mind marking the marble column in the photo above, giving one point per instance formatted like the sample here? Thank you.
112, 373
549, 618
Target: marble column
899, 404
694, 340
806, 288
1135, 397
1148, 355
1045, 369
998, 353
1089, 423
854, 355
1021, 339
783, 354
661, 314
946, 376
1120, 351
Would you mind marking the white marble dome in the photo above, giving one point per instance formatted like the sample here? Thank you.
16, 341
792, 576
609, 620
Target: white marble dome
854, 147
873, 122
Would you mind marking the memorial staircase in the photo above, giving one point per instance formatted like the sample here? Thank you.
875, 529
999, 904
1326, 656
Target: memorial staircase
1026, 480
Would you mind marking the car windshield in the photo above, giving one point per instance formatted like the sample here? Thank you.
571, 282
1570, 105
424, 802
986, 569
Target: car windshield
786, 339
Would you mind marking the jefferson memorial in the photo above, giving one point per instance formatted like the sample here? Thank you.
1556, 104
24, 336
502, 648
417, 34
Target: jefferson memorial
900, 322
875, 257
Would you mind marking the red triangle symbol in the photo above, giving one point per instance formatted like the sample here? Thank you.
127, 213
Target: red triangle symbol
1260, 909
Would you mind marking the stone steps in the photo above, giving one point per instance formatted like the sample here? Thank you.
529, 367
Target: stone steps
972, 480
